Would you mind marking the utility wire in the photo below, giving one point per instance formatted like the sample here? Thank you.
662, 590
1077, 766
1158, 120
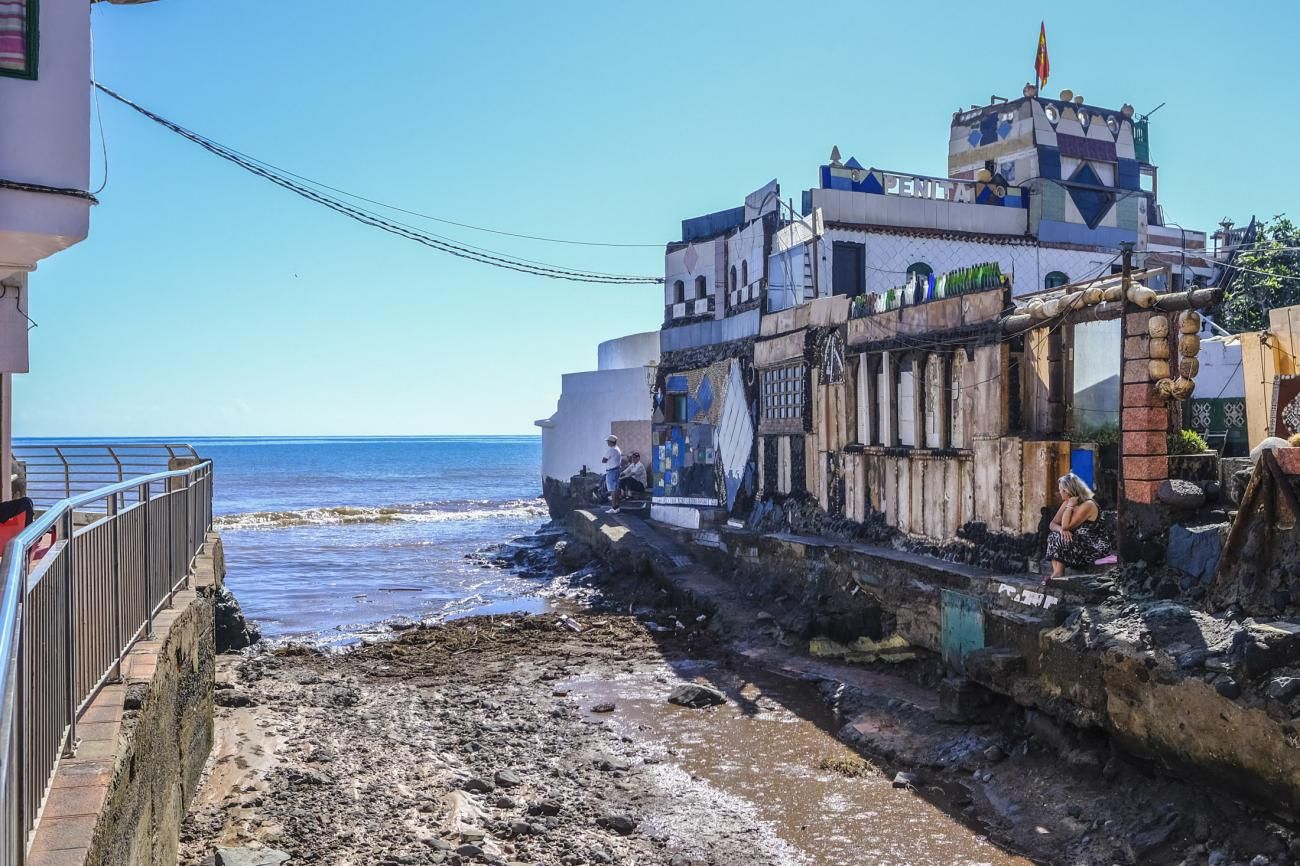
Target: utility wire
465, 251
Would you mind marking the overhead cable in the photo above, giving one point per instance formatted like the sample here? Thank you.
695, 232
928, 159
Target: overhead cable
465, 251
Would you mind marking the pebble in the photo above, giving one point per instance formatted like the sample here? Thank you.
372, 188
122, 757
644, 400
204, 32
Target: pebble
603, 707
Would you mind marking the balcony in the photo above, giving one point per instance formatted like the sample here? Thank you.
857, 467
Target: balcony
684, 312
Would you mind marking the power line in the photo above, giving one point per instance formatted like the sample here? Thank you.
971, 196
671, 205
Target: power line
461, 250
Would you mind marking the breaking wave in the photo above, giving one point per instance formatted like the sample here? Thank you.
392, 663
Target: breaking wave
420, 512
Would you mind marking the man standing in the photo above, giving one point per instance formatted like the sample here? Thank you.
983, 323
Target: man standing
613, 461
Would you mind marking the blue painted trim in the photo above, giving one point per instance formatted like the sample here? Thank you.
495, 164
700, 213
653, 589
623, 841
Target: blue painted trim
1060, 232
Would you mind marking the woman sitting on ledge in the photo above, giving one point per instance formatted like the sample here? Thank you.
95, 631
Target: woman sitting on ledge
1077, 538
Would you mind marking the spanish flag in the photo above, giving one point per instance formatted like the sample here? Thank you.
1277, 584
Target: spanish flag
1041, 65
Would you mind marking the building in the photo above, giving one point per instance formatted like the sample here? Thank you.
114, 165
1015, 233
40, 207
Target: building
613, 398
45, 196
811, 320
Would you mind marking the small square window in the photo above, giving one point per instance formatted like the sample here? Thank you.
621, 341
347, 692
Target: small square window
18, 38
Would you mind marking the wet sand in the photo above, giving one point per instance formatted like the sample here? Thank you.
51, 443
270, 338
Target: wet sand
493, 740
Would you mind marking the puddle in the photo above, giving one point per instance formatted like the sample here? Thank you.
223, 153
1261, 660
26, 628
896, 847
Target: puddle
766, 748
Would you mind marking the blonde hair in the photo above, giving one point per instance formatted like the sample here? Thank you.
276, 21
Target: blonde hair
1075, 486
1294, 440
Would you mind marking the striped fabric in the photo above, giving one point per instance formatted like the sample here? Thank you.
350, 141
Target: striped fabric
13, 35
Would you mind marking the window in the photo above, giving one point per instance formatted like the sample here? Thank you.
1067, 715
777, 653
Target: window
744, 272
18, 38
675, 408
848, 269
679, 292
783, 393
701, 287
918, 275
732, 284
1055, 279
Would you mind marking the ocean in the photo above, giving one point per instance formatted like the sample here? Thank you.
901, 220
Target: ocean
326, 539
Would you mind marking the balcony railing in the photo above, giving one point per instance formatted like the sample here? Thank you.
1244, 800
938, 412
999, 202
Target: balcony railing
62, 470
68, 618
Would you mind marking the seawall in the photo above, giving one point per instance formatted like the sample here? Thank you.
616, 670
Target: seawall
119, 800
1197, 693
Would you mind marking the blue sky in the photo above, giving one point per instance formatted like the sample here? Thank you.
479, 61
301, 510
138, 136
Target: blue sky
207, 301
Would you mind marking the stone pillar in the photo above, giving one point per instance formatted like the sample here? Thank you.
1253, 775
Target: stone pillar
1144, 440
179, 463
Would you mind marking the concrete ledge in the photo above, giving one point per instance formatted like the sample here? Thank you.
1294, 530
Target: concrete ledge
120, 799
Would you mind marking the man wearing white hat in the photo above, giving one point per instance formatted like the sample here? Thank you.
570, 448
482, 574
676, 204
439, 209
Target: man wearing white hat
613, 461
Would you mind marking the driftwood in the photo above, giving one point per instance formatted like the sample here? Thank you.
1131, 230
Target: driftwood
1261, 551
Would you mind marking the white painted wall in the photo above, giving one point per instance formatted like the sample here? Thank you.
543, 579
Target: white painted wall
889, 255
45, 139
589, 404
1221, 373
634, 350
13, 324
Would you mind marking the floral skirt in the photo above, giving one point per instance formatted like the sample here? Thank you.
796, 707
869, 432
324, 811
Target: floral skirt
1090, 542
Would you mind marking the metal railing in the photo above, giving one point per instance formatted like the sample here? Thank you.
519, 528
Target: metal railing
69, 615
63, 470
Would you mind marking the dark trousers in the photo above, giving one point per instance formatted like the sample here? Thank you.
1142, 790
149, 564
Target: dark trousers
631, 485
14, 507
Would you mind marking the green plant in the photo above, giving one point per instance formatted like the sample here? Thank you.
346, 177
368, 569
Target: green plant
1187, 442
1267, 276
1100, 434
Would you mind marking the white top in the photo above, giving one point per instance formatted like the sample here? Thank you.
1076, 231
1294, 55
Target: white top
613, 457
635, 469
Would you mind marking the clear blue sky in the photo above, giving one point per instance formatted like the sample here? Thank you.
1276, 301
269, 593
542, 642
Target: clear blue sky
208, 302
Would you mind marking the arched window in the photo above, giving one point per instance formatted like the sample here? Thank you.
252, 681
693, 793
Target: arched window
918, 272
1054, 279
679, 292
701, 287
732, 284
744, 272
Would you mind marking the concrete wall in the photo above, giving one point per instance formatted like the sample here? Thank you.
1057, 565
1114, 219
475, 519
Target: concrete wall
634, 350
589, 406
45, 139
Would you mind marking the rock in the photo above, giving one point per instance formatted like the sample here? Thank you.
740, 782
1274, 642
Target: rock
250, 857
1260, 860
1237, 486
1195, 550
696, 696
233, 698
905, 780
1180, 494
603, 707
507, 779
478, 785
1283, 689
1228, 688
620, 824
469, 850
994, 754
507, 803
544, 807
233, 631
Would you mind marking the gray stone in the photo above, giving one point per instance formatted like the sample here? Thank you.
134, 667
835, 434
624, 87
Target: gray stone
1180, 494
1228, 688
507, 778
250, 857
905, 780
1195, 550
234, 632
696, 696
477, 785
620, 824
1283, 689
605, 707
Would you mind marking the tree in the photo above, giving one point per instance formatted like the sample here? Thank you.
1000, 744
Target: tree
1265, 275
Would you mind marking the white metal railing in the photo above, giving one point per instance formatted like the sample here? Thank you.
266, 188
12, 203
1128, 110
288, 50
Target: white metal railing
68, 619
59, 471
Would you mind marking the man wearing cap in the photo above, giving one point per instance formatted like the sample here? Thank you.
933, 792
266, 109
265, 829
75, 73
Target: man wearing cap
613, 461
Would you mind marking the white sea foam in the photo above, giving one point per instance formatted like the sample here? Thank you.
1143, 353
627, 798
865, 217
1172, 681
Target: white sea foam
420, 512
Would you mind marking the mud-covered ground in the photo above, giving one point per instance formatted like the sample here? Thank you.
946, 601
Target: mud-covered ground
548, 739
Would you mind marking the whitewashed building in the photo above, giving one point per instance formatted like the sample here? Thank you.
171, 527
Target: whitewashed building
613, 398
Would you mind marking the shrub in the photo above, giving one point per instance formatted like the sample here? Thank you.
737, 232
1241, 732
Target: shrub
1187, 442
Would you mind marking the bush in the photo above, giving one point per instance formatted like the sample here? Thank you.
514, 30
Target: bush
1187, 442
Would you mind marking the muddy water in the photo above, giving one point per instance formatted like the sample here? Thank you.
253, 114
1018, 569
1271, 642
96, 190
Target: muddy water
766, 749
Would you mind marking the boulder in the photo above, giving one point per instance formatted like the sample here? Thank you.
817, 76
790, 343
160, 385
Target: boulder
620, 824
1283, 689
1180, 494
233, 631
1195, 550
696, 696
